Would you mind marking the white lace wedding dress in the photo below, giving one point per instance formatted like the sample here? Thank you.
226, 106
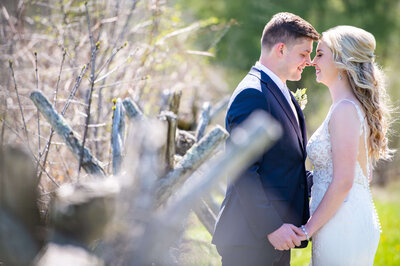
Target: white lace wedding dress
351, 236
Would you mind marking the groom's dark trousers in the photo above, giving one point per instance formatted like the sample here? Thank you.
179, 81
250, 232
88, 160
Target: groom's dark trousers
240, 256
273, 190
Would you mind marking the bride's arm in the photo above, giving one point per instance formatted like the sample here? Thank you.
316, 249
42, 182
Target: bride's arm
344, 128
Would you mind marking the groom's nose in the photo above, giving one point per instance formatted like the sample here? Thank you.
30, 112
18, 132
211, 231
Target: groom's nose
308, 61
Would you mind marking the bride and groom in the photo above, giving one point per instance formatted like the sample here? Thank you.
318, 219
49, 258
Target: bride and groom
266, 210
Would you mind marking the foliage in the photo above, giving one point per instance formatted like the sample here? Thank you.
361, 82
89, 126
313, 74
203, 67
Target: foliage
240, 47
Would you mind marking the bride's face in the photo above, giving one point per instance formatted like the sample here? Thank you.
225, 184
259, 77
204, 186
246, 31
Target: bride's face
325, 69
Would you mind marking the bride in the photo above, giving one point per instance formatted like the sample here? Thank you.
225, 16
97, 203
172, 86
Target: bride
344, 225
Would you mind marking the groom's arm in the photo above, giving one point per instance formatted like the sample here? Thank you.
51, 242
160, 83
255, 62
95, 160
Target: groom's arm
258, 209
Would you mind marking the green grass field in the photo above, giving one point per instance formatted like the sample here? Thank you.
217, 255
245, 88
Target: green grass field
197, 249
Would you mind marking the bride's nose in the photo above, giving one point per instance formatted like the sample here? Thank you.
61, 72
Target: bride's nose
313, 62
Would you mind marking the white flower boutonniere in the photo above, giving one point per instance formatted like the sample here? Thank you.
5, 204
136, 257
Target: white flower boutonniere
301, 97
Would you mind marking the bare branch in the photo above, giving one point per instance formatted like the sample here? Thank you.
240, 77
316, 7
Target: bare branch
107, 63
94, 49
19, 101
109, 60
38, 118
75, 88
47, 147
58, 79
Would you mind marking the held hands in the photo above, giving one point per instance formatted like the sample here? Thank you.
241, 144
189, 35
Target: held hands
303, 238
286, 237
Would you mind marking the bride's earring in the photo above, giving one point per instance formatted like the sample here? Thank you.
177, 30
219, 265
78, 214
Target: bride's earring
340, 76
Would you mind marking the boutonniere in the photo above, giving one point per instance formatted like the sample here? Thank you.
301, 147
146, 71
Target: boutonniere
301, 97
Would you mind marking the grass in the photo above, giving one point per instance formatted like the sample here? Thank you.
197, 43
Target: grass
388, 206
197, 249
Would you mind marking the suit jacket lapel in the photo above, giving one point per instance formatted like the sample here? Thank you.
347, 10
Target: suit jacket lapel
281, 99
301, 121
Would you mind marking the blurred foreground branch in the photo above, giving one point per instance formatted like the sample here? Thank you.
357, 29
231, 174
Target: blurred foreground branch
247, 143
194, 157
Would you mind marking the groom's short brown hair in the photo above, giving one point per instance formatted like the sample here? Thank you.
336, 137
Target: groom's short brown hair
286, 27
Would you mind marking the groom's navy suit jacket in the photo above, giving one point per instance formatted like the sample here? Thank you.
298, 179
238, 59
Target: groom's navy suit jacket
273, 190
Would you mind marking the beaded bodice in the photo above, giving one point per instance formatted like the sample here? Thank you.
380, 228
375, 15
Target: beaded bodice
319, 151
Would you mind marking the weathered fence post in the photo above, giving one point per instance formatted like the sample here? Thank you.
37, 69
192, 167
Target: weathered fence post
221, 105
132, 109
89, 162
117, 135
204, 120
184, 142
171, 133
175, 101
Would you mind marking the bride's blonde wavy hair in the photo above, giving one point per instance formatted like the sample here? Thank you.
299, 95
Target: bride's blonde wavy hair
353, 53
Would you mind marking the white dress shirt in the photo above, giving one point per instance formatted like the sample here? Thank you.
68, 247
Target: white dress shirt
284, 89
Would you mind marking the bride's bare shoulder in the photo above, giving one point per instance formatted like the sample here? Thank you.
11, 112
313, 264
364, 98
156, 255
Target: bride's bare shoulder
344, 118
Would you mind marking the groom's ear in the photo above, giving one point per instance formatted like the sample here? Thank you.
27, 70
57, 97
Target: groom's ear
279, 49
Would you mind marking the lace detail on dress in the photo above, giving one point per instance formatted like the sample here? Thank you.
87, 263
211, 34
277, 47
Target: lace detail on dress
319, 151
356, 222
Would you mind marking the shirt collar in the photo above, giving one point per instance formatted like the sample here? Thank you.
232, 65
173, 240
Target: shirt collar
272, 75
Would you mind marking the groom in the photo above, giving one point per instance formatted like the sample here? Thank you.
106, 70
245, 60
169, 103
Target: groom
259, 217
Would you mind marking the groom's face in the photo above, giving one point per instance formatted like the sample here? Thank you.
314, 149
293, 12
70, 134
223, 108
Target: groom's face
297, 57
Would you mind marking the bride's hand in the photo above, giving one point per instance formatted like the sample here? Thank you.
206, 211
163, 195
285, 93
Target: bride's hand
302, 237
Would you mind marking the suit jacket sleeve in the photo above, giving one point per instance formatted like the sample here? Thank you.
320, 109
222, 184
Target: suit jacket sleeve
310, 182
260, 214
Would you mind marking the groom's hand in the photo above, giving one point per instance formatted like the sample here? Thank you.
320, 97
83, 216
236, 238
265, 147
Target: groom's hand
286, 237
